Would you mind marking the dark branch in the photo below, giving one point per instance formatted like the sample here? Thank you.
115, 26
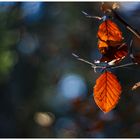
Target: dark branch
129, 27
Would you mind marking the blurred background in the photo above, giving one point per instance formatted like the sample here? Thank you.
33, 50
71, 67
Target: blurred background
44, 90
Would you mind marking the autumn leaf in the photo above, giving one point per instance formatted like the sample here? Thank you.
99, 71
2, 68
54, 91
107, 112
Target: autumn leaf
107, 91
109, 32
110, 43
103, 46
115, 54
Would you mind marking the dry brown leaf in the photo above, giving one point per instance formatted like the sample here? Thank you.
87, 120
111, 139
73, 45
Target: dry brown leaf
107, 91
136, 86
115, 54
108, 6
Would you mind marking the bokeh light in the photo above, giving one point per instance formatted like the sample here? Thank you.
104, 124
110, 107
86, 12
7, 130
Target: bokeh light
130, 6
32, 11
28, 44
44, 119
72, 86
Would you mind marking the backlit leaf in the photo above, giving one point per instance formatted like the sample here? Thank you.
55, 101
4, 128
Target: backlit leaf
103, 46
114, 54
107, 91
109, 32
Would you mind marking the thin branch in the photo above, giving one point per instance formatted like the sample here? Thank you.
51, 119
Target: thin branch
83, 60
131, 50
95, 67
121, 66
131, 42
129, 27
89, 16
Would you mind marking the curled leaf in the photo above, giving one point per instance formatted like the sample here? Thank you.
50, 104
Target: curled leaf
103, 46
107, 91
115, 54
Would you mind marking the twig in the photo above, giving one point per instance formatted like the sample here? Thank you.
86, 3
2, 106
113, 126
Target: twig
129, 27
131, 42
131, 50
121, 66
89, 16
78, 58
95, 67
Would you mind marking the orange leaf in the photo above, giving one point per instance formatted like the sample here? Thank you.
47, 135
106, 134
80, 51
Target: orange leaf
107, 91
103, 46
109, 31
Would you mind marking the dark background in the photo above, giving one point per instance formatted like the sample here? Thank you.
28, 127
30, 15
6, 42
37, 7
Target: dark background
44, 90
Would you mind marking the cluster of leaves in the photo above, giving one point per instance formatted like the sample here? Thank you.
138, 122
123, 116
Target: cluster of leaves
107, 90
